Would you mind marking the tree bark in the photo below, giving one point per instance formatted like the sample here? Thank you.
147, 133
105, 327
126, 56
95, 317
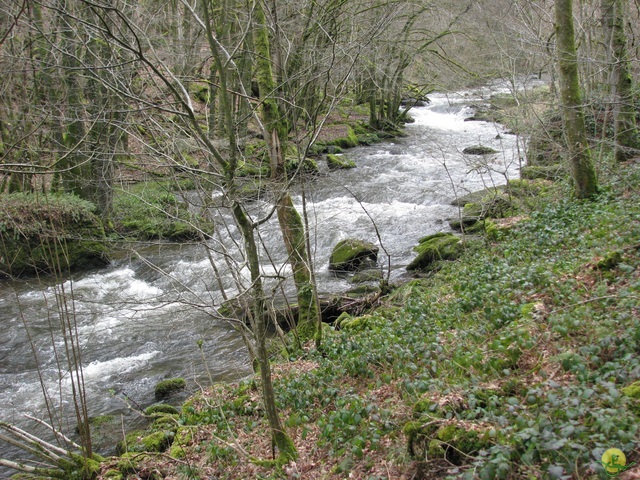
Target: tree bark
580, 161
291, 224
626, 139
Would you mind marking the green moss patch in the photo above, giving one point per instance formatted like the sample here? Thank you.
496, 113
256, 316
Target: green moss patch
167, 387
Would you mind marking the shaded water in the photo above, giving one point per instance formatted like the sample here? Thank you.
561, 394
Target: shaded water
136, 319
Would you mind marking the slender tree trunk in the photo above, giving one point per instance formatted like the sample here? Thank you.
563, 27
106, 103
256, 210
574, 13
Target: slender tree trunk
626, 137
259, 324
581, 163
290, 221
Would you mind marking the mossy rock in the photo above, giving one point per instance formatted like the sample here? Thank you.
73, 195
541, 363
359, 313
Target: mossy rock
356, 324
130, 462
436, 247
165, 421
496, 204
199, 91
161, 408
463, 224
610, 261
365, 276
460, 444
113, 474
350, 140
477, 197
343, 317
368, 138
362, 290
309, 166
184, 436
336, 162
503, 100
42, 234
419, 435
479, 150
351, 255
167, 387
138, 442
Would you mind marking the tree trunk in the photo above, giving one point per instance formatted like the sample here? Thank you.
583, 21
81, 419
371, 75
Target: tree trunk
259, 324
290, 221
626, 139
581, 163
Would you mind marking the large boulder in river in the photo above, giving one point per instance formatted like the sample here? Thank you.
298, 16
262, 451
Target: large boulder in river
352, 255
335, 162
433, 248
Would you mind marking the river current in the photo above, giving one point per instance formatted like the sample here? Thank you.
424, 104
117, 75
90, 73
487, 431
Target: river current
134, 319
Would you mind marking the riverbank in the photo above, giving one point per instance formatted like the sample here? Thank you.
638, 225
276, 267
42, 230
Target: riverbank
518, 359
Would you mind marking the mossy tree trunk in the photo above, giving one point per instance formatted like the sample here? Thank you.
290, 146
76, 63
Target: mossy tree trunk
73, 168
626, 138
581, 163
291, 225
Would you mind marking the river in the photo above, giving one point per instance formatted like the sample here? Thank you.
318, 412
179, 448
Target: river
136, 321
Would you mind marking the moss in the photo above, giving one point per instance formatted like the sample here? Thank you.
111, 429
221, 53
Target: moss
166, 387
199, 91
368, 138
165, 421
367, 276
343, 317
418, 435
459, 443
632, 391
247, 169
184, 437
49, 233
161, 408
337, 162
355, 323
435, 449
424, 405
352, 254
348, 141
113, 474
137, 442
432, 248
610, 261
129, 462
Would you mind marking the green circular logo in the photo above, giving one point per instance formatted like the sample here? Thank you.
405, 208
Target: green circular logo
614, 461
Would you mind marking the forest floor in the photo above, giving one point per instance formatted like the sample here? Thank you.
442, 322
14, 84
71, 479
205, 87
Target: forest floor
521, 359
